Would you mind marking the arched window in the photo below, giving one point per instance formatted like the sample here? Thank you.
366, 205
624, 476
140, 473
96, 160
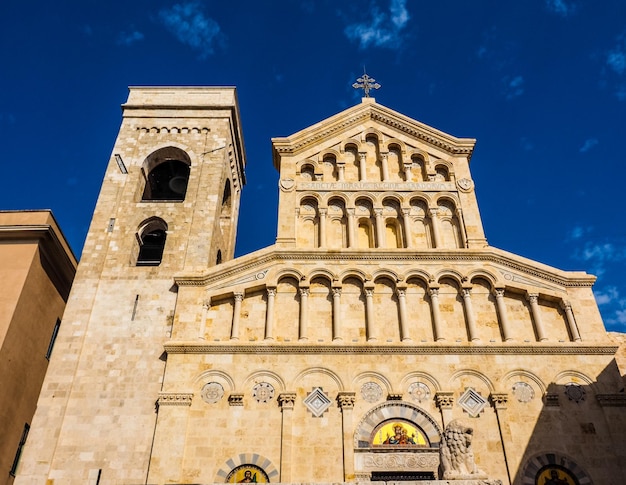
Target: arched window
167, 175
151, 239
218, 260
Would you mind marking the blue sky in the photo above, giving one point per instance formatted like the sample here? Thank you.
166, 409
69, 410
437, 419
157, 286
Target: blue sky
540, 83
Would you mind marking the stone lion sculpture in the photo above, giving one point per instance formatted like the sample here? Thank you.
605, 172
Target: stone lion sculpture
457, 457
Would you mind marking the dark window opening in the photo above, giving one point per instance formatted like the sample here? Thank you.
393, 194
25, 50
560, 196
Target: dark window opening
20, 447
55, 332
151, 246
226, 197
401, 476
167, 181
218, 260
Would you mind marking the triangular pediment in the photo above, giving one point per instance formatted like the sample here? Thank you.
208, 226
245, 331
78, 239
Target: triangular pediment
360, 115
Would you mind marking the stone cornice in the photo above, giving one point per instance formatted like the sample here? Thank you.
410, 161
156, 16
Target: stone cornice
186, 347
364, 112
272, 255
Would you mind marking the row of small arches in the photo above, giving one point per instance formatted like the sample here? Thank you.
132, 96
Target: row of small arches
388, 225
172, 129
366, 161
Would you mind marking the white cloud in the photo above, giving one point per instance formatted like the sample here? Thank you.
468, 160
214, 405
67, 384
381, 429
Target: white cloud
564, 8
514, 86
128, 38
616, 60
383, 29
189, 24
588, 145
607, 296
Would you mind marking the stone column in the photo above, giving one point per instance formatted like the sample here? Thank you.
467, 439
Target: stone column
499, 401
504, 321
469, 314
384, 165
433, 291
406, 221
362, 166
571, 323
445, 401
336, 313
206, 305
341, 171
408, 176
434, 220
346, 400
462, 230
286, 401
404, 332
304, 312
380, 229
536, 311
352, 243
234, 330
269, 313
322, 219
369, 313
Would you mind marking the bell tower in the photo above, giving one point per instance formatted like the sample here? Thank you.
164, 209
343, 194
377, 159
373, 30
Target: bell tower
169, 204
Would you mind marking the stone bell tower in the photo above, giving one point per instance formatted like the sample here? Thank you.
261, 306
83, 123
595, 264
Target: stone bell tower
169, 203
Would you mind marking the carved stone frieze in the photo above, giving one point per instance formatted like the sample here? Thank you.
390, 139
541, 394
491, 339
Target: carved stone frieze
499, 400
174, 399
235, 399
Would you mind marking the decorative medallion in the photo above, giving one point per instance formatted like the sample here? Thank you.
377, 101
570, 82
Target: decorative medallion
465, 185
419, 391
472, 402
574, 392
371, 392
317, 402
263, 392
523, 392
287, 185
212, 392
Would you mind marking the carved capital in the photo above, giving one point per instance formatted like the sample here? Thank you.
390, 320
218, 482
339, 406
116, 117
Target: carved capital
433, 292
499, 400
350, 211
532, 298
466, 292
433, 211
206, 304
551, 399
174, 399
401, 292
566, 305
336, 291
369, 292
346, 399
238, 296
286, 400
322, 211
378, 212
235, 399
304, 292
617, 400
271, 291
444, 400
498, 292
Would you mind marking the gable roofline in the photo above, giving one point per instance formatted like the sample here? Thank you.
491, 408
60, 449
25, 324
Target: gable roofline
369, 109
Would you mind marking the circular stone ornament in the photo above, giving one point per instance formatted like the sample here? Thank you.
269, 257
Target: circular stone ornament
371, 392
574, 392
465, 185
263, 392
212, 392
419, 391
523, 392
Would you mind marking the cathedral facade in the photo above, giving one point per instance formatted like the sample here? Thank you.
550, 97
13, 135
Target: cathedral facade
380, 338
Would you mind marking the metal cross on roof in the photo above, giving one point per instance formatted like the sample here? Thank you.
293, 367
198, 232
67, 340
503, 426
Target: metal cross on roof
366, 83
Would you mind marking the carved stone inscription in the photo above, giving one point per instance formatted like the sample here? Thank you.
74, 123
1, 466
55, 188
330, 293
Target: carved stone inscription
426, 461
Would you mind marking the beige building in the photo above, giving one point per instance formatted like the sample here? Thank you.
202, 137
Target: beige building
37, 267
381, 338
